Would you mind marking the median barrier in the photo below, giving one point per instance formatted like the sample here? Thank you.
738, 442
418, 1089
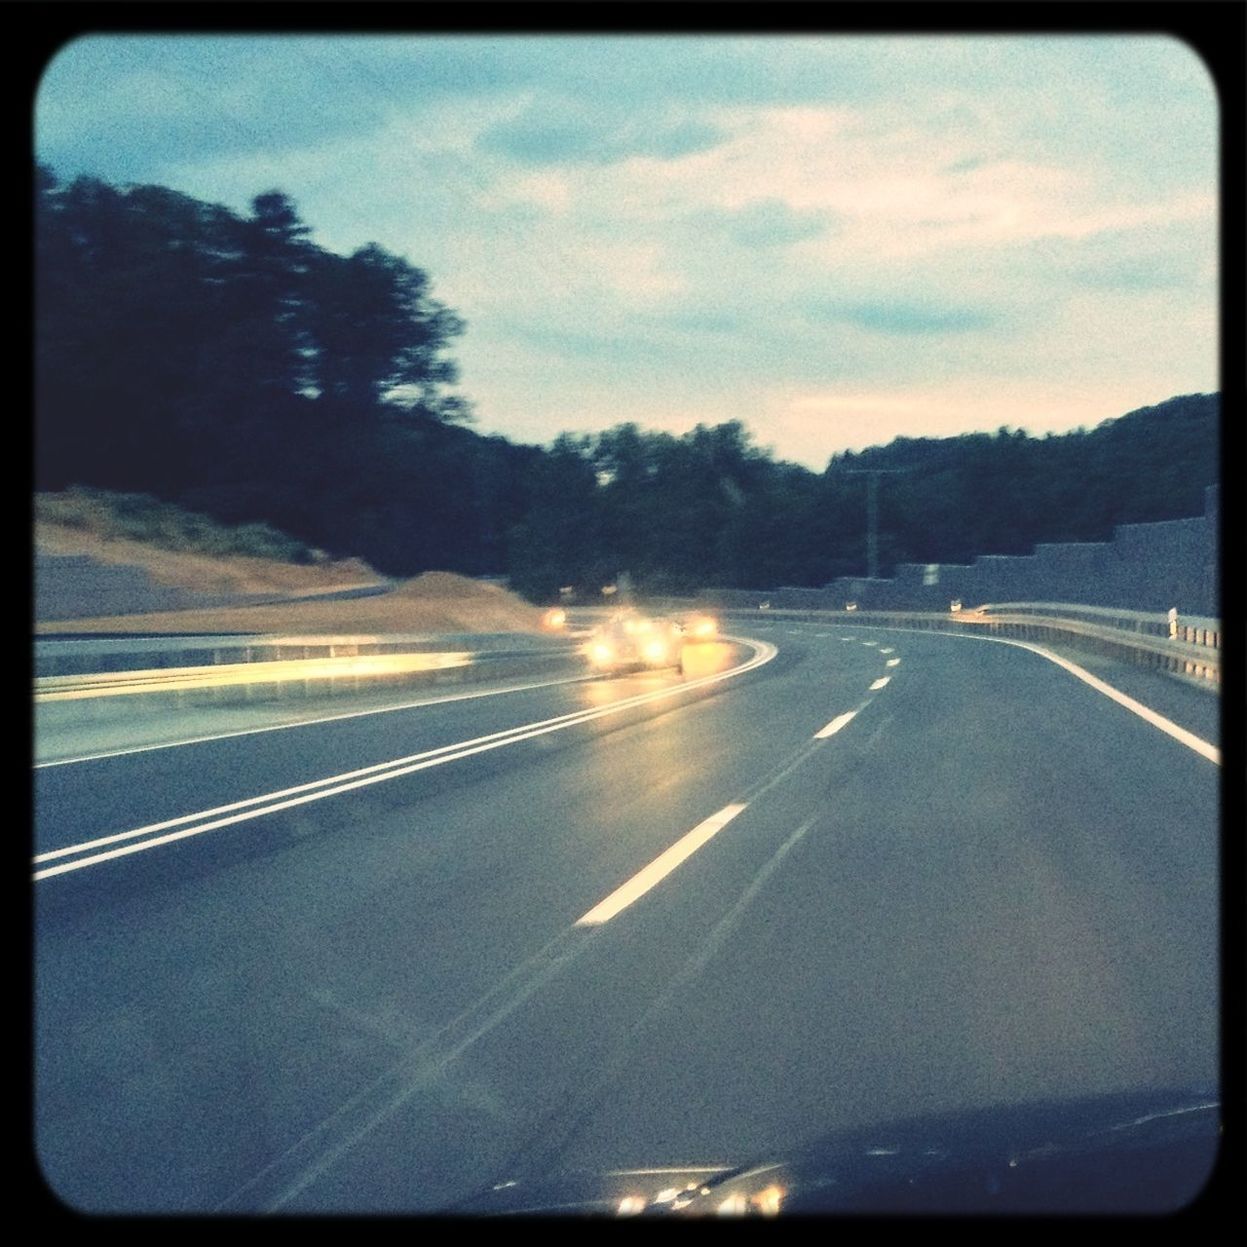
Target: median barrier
143, 673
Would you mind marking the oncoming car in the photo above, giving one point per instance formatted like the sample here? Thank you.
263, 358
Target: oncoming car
636, 642
701, 628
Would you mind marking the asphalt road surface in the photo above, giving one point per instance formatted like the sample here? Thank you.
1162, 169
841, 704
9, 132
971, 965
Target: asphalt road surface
379, 963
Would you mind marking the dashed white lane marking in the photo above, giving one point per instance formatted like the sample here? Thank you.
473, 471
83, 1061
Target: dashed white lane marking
894, 662
880, 682
835, 725
1195, 743
886, 650
659, 868
870, 642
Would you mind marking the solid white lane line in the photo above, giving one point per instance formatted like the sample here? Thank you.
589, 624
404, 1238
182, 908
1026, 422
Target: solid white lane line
880, 682
347, 781
328, 718
278, 795
1200, 746
1195, 743
835, 725
894, 662
659, 868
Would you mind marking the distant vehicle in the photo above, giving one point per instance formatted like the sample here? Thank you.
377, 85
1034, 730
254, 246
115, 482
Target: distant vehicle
700, 627
955, 605
555, 619
632, 641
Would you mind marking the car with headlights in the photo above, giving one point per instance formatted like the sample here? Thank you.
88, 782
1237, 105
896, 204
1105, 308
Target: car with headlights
700, 627
632, 641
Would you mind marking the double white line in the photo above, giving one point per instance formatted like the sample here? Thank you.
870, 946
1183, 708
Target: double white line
91, 852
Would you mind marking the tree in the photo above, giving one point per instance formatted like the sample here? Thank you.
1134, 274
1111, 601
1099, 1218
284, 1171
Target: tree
378, 336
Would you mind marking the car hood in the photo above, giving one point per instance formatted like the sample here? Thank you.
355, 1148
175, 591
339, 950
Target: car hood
1147, 1152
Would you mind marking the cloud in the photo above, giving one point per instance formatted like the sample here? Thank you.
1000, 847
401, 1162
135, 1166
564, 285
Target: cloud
903, 318
569, 135
678, 229
772, 223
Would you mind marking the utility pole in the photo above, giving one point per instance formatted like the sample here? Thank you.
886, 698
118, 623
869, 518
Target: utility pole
872, 476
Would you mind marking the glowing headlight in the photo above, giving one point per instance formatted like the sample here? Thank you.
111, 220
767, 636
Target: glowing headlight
601, 652
655, 650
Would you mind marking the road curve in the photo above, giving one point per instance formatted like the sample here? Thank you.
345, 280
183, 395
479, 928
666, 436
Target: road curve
615, 923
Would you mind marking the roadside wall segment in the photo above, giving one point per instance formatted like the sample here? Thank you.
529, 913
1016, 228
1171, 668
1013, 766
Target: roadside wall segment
1144, 567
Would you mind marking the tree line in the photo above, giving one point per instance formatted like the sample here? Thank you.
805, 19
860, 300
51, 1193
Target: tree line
226, 363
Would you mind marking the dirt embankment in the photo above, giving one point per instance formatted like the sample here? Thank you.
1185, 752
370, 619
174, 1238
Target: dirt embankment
206, 573
432, 602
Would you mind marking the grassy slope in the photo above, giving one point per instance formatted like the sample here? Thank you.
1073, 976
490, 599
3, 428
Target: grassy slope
142, 533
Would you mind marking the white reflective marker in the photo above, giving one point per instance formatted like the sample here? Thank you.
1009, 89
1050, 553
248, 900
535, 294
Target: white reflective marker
835, 725
880, 682
659, 868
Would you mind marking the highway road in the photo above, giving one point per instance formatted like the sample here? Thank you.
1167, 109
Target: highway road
833, 877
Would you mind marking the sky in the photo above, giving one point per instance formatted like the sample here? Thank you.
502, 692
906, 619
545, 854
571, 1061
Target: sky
837, 240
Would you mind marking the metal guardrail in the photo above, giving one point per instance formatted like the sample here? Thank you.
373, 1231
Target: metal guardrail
1192, 629
1198, 661
1173, 655
106, 667
181, 679
89, 655
272, 670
